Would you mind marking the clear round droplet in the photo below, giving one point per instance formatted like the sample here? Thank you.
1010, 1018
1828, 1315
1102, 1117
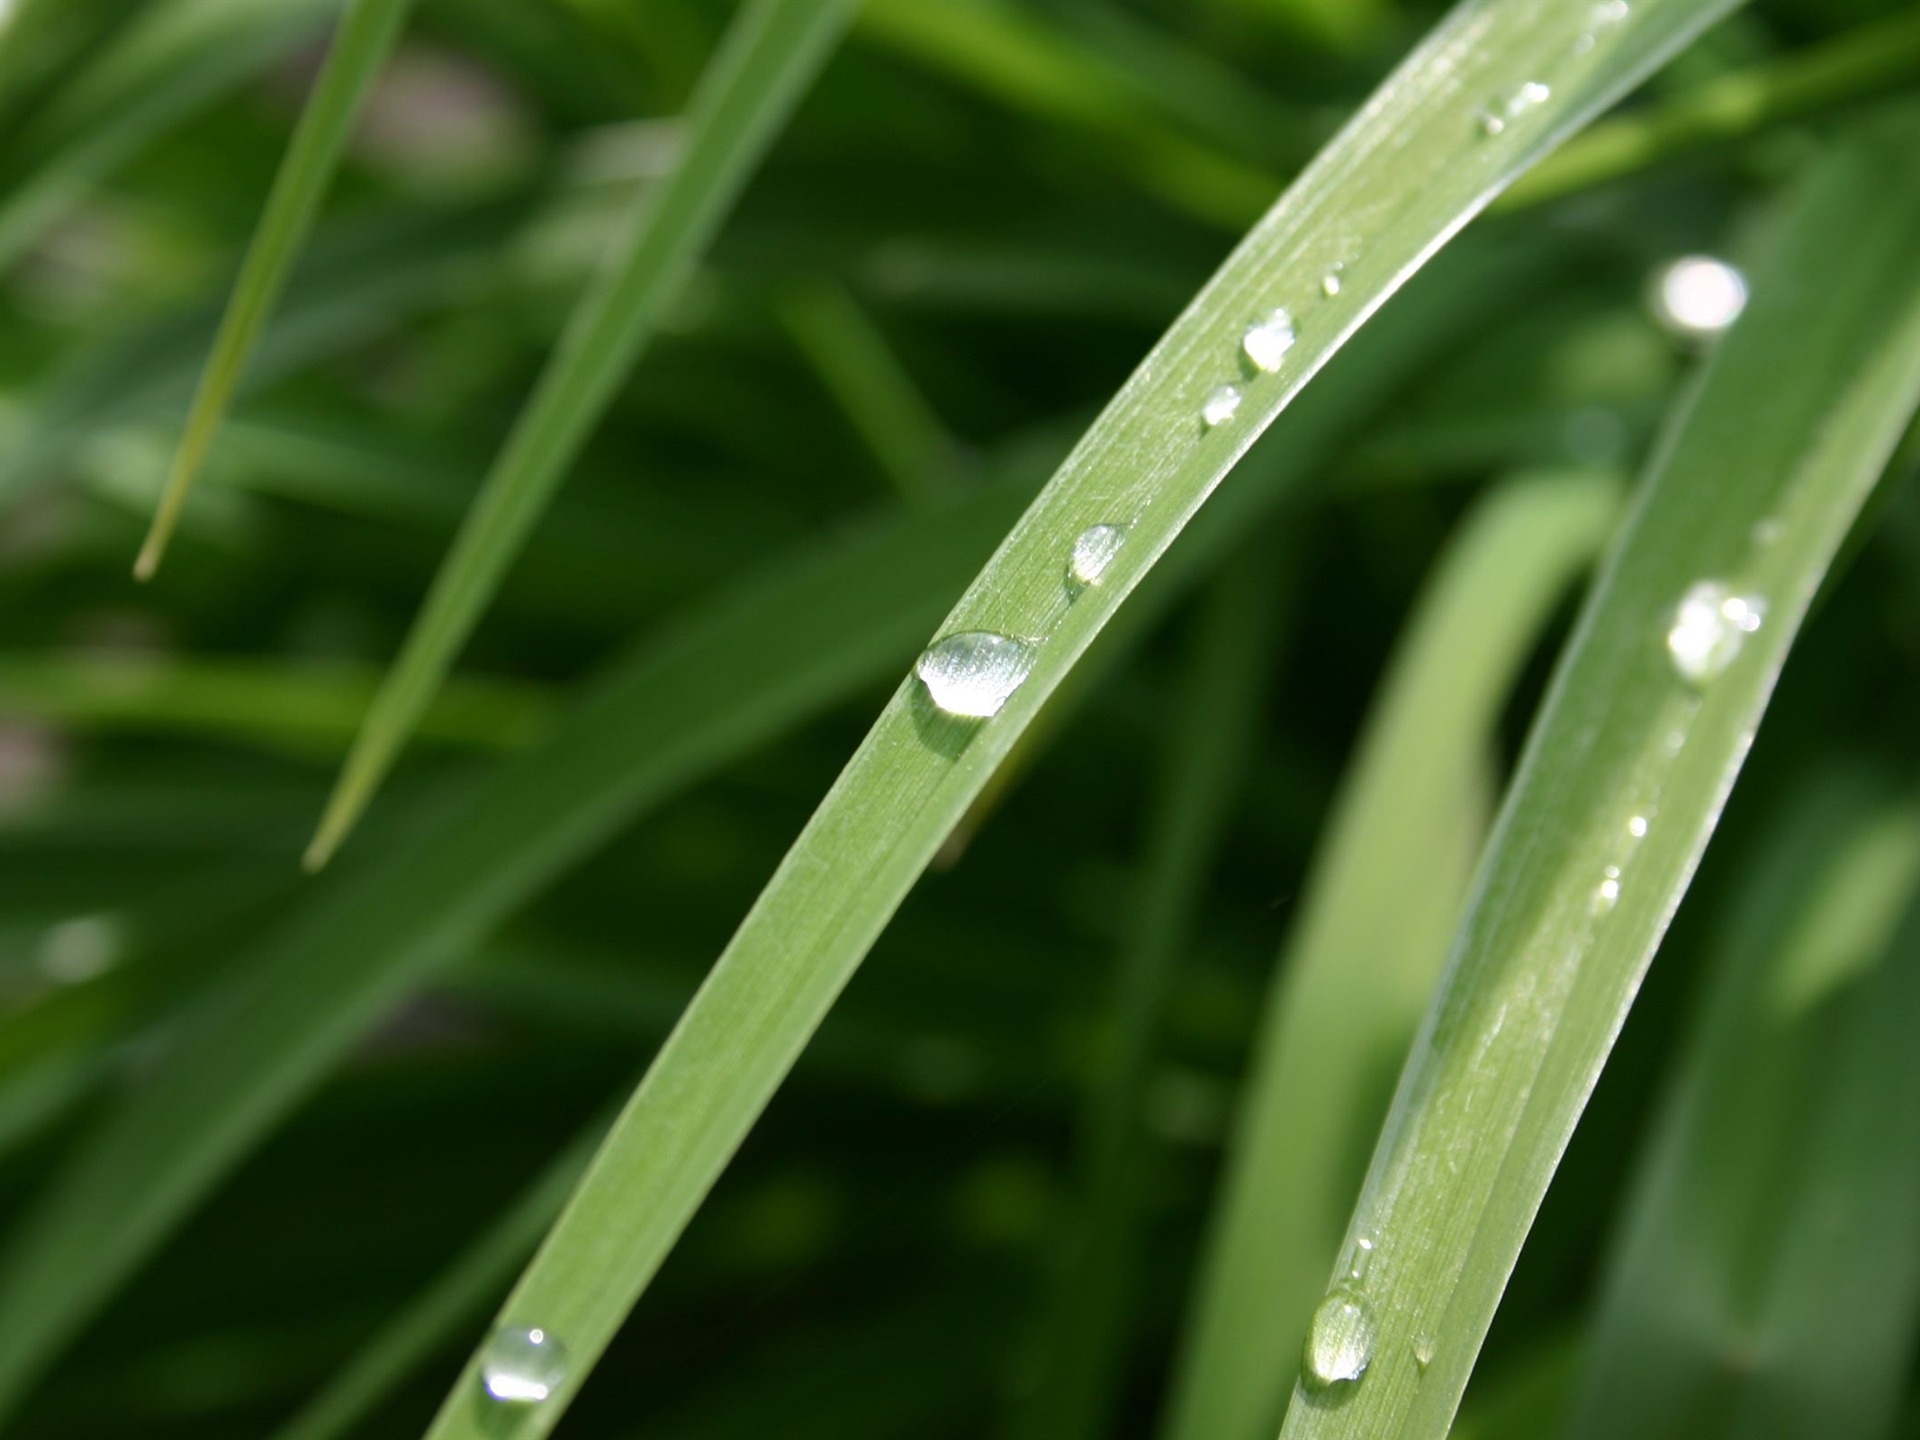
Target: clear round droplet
1491, 122
1339, 1341
1697, 297
1331, 282
1267, 341
1610, 12
1709, 627
1094, 549
1423, 1352
1220, 406
1607, 893
1360, 1260
523, 1366
1637, 827
974, 673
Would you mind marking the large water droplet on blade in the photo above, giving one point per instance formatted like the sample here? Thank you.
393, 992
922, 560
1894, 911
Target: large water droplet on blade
973, 673
1339, 1341
523, 1366
1709, 627
1220, 406
1094, 549
1267, 341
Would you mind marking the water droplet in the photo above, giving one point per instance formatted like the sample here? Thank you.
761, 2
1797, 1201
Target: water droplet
523, 1366
1093, 551
1637, 827
1423, 1352
1267, 340
1607, 894
1610, 12
1220, 406
1491, 122
1331, 282
1339, 1341
1361, 1261
1697, 297
1708, 629
973, 673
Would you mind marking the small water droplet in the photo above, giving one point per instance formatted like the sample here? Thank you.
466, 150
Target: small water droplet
523, 1366
1491, 122
1610, 12
1267, 340
1094, 549
1697, 297
1637, 827
1607, 894
1494, 120
1331, 282
1709, 627
1220, 406
1423, 1352
1361, 1261
1339, 1341
974, 672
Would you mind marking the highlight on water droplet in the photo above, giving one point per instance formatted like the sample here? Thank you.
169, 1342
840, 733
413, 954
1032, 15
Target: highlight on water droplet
1339, 1341
974, 672
1709, 626
1335, 277
1637, 827
1220, 406
1267, 340
523, 1366
1361, 1260
1094, 549
1495, 119
1423, 1352
1607, 894
1491, 122
1697, 297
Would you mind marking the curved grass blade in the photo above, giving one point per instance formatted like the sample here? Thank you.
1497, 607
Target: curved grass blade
1648, 720
1411, 168
1089, 1322
1379, 910
458, 1294
1766, 1279
759, 660
754, 81
360, 47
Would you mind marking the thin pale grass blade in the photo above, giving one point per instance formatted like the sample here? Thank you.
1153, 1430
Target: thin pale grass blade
1412, 167
1088, 1324
1649, 718
361, 44
1379, 910
1766, 1279
759, 660
455, 1297
764, 64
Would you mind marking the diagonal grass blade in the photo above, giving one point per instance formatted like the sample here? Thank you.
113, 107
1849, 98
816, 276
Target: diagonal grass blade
763, 65
1641, 737
1490, 92
365, 37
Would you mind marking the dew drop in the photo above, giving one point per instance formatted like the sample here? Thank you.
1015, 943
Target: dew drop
1610, 12
1491, 122
1339, 1341
1362, 1260
523, 1366
1637, 827
1708, 629
974, 672
1607, 893
1423, 1352
1495, 120
1697, 297
1267, 340
1094, 550
1331, 282
1220, 406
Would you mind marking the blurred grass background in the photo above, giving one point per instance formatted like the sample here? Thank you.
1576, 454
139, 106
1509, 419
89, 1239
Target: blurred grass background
960, 246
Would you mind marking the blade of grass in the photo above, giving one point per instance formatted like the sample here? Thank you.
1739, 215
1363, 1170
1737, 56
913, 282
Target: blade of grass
1859, 64
1412, 167
1766, 1277
1624, 777
1379, 910
361, 44
299, 1000
454, 1298
1088, 1323
306, 707
763, 65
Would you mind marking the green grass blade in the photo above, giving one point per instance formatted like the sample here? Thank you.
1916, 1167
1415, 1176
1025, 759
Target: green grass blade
453, 1300
1089, 1324
365, 37
1379, 911
1628, 767
763, 65
757, 661
306, 708
1411, 168
1766, 1278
